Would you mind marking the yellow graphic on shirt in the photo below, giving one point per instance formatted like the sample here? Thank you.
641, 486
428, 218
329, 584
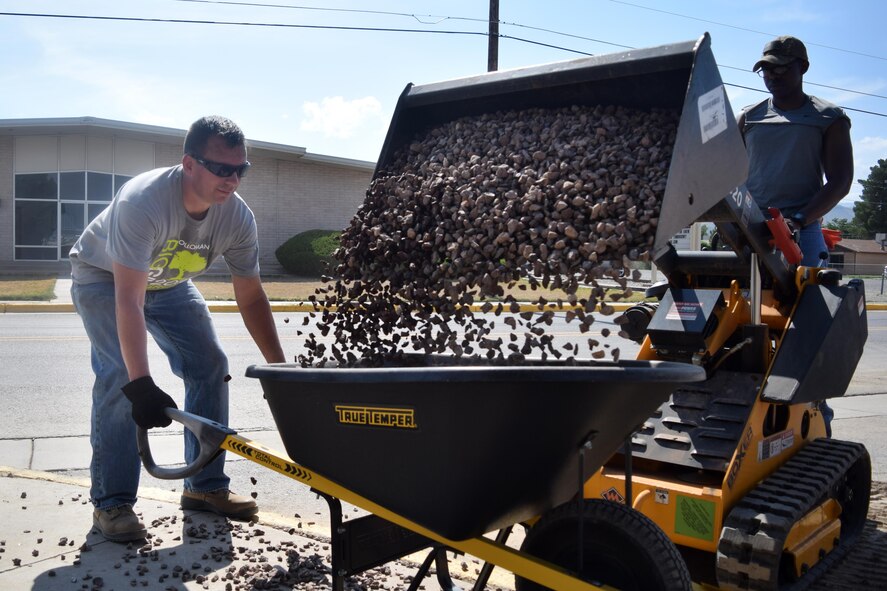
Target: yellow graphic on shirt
178, 261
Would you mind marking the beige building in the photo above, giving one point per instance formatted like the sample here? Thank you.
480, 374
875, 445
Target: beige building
859, 257
57, 174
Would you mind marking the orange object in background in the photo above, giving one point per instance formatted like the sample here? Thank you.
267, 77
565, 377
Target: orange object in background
832, 237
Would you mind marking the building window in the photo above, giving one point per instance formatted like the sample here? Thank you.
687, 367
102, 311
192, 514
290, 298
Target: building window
37, 186
36, 225
72, 186
55, 193
52, 209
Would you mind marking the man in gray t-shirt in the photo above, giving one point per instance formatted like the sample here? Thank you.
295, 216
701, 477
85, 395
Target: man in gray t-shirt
131, 271
793, 141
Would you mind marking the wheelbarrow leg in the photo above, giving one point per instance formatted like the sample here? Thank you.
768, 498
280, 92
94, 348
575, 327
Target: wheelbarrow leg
443, 571
336, 542
487, 568
438, 556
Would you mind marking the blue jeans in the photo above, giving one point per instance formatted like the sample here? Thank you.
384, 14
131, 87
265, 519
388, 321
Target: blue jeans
179, 321
812, 244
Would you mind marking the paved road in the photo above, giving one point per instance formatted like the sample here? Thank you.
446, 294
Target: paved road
45, 384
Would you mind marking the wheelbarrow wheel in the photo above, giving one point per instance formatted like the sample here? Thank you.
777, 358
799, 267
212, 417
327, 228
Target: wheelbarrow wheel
621, 547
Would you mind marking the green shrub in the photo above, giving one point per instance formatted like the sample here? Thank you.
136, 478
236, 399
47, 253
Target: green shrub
305, 254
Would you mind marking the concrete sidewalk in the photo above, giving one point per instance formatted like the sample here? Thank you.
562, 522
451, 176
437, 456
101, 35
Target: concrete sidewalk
47, 541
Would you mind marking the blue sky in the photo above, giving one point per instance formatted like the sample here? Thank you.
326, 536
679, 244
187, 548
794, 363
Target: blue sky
334, 91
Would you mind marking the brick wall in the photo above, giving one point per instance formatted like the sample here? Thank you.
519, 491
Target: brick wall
289, 197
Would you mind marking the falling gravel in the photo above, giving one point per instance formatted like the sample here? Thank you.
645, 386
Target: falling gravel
469, 211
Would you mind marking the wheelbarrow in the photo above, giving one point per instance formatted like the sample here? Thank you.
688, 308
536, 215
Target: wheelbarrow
443, 451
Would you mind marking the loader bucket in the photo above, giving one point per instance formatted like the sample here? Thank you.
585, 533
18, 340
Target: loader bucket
709, 159
459, 446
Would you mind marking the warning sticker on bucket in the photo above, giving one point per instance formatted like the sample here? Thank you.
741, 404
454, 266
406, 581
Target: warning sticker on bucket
684, 311
712, 113
376, 416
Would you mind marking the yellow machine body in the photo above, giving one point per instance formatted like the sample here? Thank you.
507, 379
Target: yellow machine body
691, 506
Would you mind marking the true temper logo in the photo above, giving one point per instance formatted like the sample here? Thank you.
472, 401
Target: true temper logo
374, 416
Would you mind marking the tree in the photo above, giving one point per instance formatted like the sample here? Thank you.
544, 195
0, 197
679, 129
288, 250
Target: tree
847, 228
870, 214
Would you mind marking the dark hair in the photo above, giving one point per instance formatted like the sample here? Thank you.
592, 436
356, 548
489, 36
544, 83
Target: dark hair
213, 125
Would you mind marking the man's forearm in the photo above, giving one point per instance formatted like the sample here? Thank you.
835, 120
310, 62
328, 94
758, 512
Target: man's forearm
133, 337
259, 322
825, 199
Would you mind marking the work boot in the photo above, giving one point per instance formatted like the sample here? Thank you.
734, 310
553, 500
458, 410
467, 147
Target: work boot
119, 524
222, 502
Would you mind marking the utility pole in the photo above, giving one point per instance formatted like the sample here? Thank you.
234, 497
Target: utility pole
493, 46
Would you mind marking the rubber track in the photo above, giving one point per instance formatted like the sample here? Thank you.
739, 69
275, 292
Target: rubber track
754, 532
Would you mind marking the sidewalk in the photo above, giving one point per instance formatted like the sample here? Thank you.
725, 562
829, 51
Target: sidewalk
47, 541
49, 544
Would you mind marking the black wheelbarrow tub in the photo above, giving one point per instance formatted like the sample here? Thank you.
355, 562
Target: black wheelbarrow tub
462, 448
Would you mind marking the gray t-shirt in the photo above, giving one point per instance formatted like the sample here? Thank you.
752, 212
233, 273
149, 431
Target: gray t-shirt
785, 152
147, 228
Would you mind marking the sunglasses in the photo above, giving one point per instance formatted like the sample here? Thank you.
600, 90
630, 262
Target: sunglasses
776, 70
223, 170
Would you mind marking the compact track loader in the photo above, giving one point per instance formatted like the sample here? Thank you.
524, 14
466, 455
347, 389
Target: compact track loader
738, 470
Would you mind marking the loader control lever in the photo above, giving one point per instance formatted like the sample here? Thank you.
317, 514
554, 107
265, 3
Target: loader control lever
783, 238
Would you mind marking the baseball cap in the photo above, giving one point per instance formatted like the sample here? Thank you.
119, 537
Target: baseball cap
781, 51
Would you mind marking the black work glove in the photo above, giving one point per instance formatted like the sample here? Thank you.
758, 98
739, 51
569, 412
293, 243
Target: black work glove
148, 402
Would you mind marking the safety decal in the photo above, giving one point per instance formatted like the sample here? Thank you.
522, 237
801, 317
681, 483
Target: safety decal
661, 496
688, 311
695, 518
712, 113
612, 494
376, 416
775, 444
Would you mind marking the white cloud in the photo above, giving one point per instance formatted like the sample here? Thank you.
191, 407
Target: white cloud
874, 145
866, 153
336, 117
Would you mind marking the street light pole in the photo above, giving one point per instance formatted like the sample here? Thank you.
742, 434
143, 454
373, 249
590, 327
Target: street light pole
493, 45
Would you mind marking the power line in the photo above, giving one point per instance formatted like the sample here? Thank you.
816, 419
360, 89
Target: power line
236, 23
845, 108
284, 25
376, 29
702, 20
809, 83
441, 18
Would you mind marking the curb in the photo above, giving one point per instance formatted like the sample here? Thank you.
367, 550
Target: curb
225, 307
